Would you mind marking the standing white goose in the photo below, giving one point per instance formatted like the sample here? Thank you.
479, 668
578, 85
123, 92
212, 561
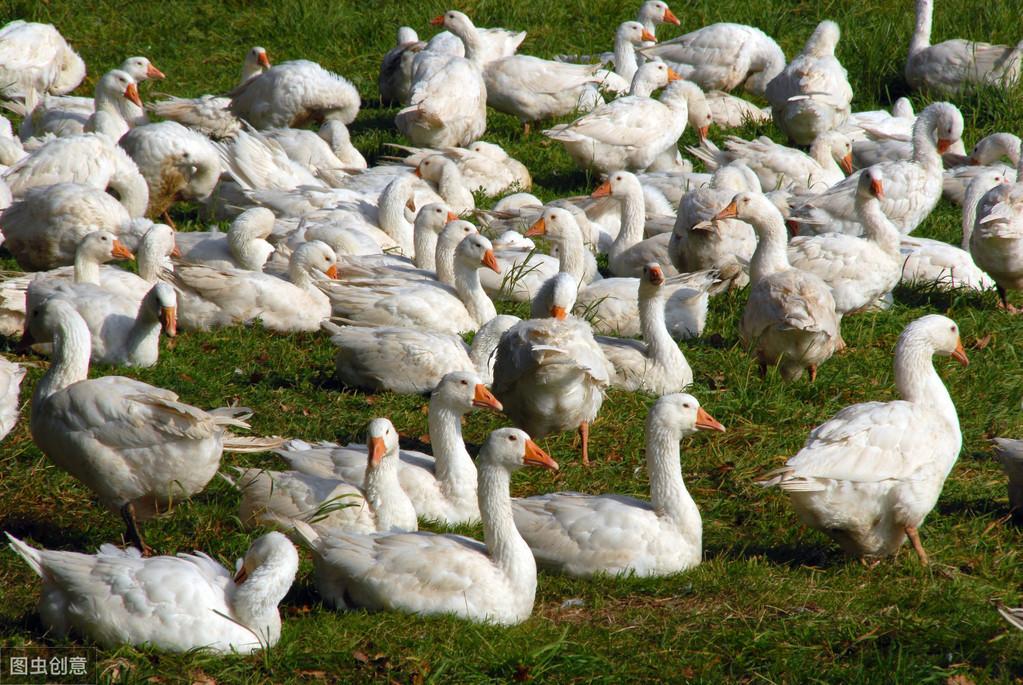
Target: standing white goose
790, 318
377, 504
11, 375
178, 604
996, 243
629, 254
812, 94
294, 94
134, 445
583, 535
914, 186
953, 64
442, 487
423, 573
869, 476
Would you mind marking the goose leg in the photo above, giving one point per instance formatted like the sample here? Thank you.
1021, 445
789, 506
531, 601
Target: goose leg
133, 534
167, 220
813, 373
914, 537
584, 435
525, 129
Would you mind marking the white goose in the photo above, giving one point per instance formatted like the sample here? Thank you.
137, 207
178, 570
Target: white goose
115, 92
812, 94
790, 318
629, 254
953, 64
377, 504
110, 432
293, 94
177, 163
858, 270
35, 57
210, 114
442, 487
1009, 453
987, 155
244, 246
91, 159
315, 150
178, 604
582, 535
914, 186
484, 166
210, 298
723, 57
550, 374
465, 307
996, 243
11, 376
423, 573
869, 476
729, 111
395, 79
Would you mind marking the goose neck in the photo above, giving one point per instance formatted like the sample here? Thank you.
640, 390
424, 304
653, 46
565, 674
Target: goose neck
454, 467
820, 151
425, 246
150, 260
771, 254
505, 545
298, 273
918, 382
925, 149
572, 255
86, 268
451, 187
391, 507
922, 30
391, 215
143, 342
633, 222
877, 227
660, 345
255, 601
132, 190
72, 346
472, 41
625, 57
668, 494
470, 291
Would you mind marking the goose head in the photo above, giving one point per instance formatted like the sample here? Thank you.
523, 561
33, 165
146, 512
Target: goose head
161, 302
407, 35
461, 391
990, 149
634, 32
381, 442
489, 150
314, 256
903, 108
141, 69
256, 62
653, 12
870, 185
102, 247
434, 167
561, 297
262, 579
680, 414
939, 333
457, 22
451, 236
555, 224
651, 76
619, 185
736, 176
652, 278
946, 122
475, 251
247, 238
756, 209
838, 146
435, 216
511, 449
118, 86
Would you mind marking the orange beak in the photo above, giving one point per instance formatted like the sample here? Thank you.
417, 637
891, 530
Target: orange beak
729, 212
263, 60
877, 188
656, 276
670, 18
558, 312
847, 163
418, 173
539, 227
153, 72
132, 93
332, 272
175, 251
240, 577
437, 21
943, 145
603, 190
490, 261
376, 450
960, 354
973, 162
484, 399
673, 75
649, 37
702, 132
121, 251
705, 421
537, 457
452, 216
169, 321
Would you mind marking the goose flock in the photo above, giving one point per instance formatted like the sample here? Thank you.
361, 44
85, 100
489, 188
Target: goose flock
396, 264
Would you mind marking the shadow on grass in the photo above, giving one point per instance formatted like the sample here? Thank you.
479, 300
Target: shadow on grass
46, 533
790, 556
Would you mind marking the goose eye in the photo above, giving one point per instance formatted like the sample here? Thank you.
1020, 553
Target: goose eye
512, 438
687, 405
464, 383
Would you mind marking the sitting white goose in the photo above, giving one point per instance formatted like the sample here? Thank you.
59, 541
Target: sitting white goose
790, 318
550, 374
812, 94
244, 246
913, 186
378, 504
723, 57
954, 64
442, 487
114, 109
178, 604
294, 94
858, 270
729, 111
465, 307
869, 475
11, 375
116, 91
484, 166
444, 174
784, 168
109, 432
91, 159
423, 573
210, 114
35, 57
582, 535
395, 79
209, 297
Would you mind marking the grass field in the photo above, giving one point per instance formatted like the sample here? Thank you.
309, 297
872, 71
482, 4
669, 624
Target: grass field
773, 602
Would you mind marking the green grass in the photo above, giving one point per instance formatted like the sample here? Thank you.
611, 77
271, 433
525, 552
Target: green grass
773, 601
